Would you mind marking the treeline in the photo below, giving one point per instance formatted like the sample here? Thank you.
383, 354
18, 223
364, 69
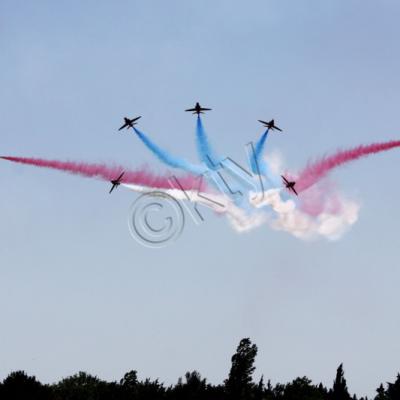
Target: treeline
238, 386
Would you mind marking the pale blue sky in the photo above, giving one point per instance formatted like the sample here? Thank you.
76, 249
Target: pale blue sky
78, 293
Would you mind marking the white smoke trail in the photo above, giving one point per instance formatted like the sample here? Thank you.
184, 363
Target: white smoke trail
286, 215
329, 224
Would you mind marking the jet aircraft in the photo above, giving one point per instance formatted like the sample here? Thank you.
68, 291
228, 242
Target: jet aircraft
270, 125
116, 182
198, 109
289, 185
129, 123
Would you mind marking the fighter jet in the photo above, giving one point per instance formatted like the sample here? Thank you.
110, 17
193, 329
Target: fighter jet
270, 125
198, 109
289, 185
129, 123
116, 182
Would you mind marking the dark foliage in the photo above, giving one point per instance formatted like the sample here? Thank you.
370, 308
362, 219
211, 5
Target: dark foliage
339, 390
18, 385
239, 385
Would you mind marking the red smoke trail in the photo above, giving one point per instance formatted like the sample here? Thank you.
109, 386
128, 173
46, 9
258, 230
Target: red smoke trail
107, 173
317, 170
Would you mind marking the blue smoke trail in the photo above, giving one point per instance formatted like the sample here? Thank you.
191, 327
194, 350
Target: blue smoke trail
204, 148
258, 152
261, 144
167, 158
259, 165
214, 165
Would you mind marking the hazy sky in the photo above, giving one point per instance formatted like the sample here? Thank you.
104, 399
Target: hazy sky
78, 293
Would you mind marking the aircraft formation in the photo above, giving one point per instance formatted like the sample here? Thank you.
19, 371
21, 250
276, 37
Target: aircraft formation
198, 109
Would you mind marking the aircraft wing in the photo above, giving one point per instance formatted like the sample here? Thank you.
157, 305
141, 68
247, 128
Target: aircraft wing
191, 109
122, 127
278, 129
286, 181
135, 119
294, 190
113, 187
205, 109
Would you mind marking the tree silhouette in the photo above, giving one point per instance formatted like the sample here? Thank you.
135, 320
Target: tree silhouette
194, 388
18, 385
240, 382
339, 390
381, 393
393, 390
151, 390
129, 385
302, 389
85, 386
259, 390
238, 386
129, 380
